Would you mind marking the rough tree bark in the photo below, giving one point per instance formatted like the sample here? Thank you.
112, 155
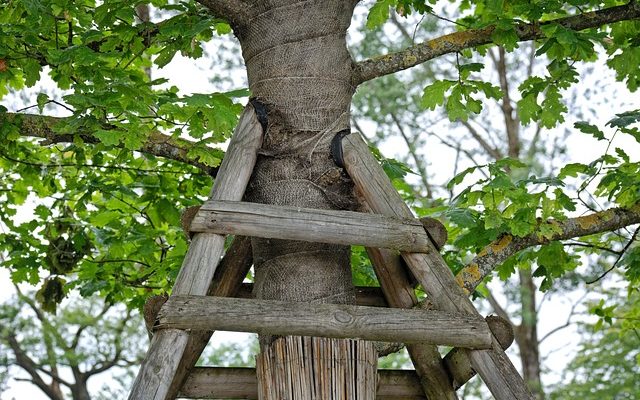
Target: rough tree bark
298, 65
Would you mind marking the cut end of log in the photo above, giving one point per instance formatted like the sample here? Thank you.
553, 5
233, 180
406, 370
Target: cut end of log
151, 309
187, 218
501, 329
436, 231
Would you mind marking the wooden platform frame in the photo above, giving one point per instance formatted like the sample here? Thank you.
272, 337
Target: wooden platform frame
179, 341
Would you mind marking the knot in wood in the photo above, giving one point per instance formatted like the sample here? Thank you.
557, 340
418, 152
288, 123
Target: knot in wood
343, 317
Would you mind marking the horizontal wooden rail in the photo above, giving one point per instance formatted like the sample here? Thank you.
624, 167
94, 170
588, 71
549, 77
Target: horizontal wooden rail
327, 320
295, 223
241, 383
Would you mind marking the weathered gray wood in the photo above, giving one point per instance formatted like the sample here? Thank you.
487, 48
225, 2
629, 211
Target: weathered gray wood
241, 383
370, 296
398, 291
227, 279
159, 377
312, 225
326, 320
430, 269
457, 360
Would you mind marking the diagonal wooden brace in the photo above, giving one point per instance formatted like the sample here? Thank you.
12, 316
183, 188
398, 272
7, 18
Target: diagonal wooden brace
398, 291
163, 370
430, 269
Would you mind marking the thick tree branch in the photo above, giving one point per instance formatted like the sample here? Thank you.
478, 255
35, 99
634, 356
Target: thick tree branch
31, 367
501, 249
157, 144
458, 41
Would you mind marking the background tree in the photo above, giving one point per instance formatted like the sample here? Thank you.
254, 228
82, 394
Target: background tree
393, 104
111, 198
60, 353
607, 363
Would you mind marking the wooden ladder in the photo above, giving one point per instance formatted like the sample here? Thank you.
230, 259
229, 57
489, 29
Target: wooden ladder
202, 301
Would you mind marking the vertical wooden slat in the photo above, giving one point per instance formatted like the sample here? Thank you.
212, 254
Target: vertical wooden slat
429, 269
318, 368
159, 377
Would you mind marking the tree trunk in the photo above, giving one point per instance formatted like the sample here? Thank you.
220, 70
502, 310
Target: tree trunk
527, 334
79, 391
298, 65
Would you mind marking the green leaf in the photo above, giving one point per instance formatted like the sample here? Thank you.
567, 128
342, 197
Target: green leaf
573, 169
456, 109
456, 180
433, 95
462, 217
466, 69
589, 129
379, 13
528, 108
42, 99
625, 119
109, 137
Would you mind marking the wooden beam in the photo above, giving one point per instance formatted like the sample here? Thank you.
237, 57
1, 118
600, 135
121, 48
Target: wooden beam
241, 383
326, 320
398, 291
430, 269
163, 371
457, 360
313, 225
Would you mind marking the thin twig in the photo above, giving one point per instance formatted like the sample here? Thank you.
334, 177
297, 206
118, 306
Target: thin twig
633, 238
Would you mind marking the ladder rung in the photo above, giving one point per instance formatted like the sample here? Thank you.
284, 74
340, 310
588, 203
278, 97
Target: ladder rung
325, 320
241, 383
311, 225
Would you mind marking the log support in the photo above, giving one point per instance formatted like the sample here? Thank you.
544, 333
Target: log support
172, 352
430, 269
207, 313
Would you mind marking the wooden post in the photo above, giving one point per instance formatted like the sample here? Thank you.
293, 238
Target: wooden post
429, 269
159, 377
399, 293
241, 383
312, 225
206, 313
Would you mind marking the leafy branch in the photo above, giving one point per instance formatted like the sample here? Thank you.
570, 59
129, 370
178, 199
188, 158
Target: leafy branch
455, 42
156, 144
504, 247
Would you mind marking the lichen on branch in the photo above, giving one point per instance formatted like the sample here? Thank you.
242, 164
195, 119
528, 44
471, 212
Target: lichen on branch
504, 247
455, 42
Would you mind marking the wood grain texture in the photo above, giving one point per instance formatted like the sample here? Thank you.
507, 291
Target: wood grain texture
398, 290
226, 282
163, 371
312, 225
241, 383
430, 269
457, 360
326, 320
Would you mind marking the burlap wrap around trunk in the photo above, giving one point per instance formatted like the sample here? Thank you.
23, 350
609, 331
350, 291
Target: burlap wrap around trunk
299, 66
